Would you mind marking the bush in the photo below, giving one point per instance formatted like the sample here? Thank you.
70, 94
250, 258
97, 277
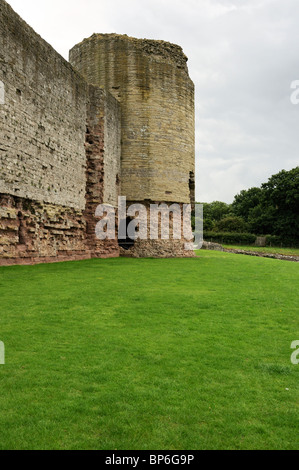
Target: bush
208, 224
231, 224
230, 238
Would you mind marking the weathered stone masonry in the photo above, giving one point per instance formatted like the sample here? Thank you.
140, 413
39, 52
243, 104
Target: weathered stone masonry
55, 131
151, 82
118, 120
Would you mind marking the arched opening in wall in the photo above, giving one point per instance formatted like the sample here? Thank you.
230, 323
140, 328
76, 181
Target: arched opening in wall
126, 243
2, 93
192, 188
22, 229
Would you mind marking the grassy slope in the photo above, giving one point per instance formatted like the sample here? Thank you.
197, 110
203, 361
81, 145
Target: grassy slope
150, 354
266, 249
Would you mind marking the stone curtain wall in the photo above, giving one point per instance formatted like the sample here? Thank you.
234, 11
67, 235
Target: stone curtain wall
34, 232
42, 123
150, 79
48, 186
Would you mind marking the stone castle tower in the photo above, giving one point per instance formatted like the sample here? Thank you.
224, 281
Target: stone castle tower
150, 80
117, 120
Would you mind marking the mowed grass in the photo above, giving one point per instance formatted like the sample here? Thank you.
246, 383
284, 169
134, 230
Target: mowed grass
150, 354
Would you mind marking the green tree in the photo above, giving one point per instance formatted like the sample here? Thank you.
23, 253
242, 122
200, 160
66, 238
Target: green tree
216, 210
261, 219
231, 224
281, 198
208, 224
273, 208
247, 200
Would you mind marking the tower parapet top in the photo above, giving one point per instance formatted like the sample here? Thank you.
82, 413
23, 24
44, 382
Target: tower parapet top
160, 51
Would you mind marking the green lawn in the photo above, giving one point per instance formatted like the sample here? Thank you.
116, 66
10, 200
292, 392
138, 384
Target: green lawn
150, 354
266, 249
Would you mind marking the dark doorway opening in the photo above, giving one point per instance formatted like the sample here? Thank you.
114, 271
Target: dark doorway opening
126, 243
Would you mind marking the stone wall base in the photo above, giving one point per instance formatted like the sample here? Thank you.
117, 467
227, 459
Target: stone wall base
154, 246
32, 232
157, 249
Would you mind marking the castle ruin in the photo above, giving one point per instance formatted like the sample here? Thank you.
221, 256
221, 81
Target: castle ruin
116, 120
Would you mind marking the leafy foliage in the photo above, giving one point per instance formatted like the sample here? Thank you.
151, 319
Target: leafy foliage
272, 209
231, 224
216, 210
246, 201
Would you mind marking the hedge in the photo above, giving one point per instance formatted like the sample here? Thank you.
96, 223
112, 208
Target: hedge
230, 238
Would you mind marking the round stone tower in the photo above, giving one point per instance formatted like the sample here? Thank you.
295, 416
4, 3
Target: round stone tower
150, 80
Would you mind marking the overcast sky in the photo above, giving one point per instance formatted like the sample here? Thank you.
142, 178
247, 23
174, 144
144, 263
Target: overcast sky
243, 57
